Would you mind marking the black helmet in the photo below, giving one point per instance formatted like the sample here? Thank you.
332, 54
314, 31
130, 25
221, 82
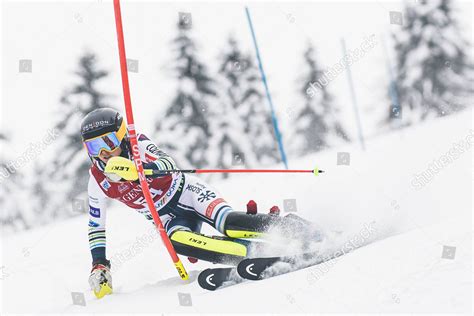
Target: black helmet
100, 122
104, 129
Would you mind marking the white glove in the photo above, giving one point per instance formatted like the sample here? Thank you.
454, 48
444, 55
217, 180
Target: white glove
100, 279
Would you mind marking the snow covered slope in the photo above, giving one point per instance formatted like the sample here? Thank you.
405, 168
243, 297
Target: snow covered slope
405, 267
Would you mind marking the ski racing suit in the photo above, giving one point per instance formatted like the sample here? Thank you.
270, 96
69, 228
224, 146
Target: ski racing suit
183, 202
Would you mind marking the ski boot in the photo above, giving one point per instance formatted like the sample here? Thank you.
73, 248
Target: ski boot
251, 225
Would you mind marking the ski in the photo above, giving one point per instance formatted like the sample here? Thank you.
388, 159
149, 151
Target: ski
264, 268
256, 269
214, 278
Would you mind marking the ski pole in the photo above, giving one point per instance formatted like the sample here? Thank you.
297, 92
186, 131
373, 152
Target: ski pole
127, 170
148, 172
134, 144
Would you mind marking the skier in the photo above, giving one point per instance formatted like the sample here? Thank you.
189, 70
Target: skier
183, 202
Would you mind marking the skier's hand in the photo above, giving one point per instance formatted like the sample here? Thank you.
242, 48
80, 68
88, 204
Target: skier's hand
100, 279
150, 167
121, 168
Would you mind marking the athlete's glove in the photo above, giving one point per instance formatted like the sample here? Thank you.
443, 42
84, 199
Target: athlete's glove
100, 279
119, 168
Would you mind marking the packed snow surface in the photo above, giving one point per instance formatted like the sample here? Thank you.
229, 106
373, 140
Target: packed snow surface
417, 234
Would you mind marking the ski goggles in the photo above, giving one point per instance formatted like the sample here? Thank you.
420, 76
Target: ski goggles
107, 142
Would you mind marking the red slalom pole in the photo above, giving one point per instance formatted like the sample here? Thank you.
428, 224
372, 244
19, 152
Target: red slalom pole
134, 144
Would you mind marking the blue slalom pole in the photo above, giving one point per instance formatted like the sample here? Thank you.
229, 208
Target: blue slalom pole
267, 91
353, 96
395, 108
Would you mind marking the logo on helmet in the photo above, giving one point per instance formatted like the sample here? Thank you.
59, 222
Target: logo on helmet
90, 126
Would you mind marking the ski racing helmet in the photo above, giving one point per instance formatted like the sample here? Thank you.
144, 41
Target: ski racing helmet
104, 129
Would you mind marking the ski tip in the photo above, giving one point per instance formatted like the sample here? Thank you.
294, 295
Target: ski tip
204, 280
215, 278
246, 269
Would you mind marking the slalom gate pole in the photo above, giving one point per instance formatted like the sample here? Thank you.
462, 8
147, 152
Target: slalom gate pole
134, 144
267, 91
395, 109
353, 95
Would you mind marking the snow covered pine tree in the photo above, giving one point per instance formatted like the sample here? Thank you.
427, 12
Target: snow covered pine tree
316, 124
248, 118
78, 100
435, 75
189, 117
12, 215
183, 202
